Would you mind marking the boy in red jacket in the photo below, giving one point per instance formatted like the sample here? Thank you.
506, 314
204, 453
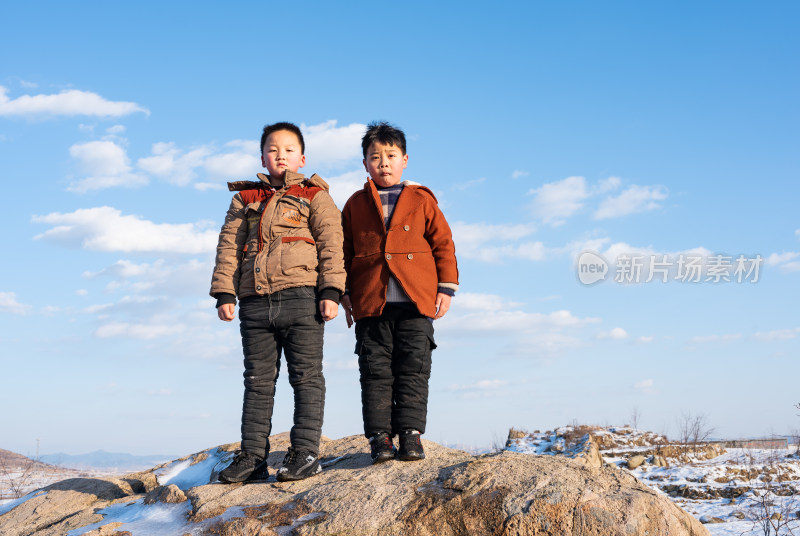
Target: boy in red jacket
401, 274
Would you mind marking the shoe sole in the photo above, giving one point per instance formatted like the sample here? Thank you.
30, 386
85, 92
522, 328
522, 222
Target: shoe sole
385, 457
410, 457
283, 477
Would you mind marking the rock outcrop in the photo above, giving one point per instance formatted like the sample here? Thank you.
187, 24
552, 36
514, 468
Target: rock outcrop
449, 493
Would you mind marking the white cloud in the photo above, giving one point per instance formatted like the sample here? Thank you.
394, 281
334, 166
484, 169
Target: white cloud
9, 304
631, 201
116, 129
240, 159
481, 384
344, 185
496, 243
106, 165
797, 233
237, 160
778, 335
611, 183
329, 146
138, 331
505, 321
781, 258
554, 202
645, 386
107, 229
615, 334
480, 389
716, 338
122, 268
518, 174
132, 305
169, 163
791, 267
483, 302
645, 339
461, 186
189, 278
68, 102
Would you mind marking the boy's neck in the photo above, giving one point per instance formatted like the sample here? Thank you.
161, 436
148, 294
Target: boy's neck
398, 185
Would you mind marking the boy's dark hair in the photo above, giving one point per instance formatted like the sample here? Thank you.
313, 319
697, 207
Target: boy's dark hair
384, 133
283, 125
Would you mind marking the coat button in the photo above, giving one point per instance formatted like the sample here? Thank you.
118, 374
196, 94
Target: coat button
388, 256
258, 287
258, 270
406, 227
410, 256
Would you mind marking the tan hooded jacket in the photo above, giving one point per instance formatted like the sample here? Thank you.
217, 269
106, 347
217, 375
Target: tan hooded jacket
277, 239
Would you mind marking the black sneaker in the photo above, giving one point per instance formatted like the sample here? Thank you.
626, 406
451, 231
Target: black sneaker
298, 464
261, 473
244, 466
410, 446
381, 448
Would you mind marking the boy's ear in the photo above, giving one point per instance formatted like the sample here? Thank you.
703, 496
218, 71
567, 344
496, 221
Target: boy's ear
364, 161
405, 160
263, 162
302, 161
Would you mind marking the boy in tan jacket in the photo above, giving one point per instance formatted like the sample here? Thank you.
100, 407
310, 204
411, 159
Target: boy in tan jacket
280, 252
401, 275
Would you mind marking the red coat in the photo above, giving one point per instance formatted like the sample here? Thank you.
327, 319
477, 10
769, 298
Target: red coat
417, 249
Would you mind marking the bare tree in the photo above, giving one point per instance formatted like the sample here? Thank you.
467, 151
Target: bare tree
684, 423
774, 501
700, 429
18, 479
693, 429
635, 416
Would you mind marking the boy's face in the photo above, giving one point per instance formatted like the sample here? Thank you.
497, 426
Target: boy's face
282, 151
385, 164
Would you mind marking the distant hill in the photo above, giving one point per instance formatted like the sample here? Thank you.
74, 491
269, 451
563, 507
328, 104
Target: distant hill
12, 461
108, 461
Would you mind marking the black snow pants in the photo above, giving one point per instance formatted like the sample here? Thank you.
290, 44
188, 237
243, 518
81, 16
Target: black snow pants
394, 359
287, 321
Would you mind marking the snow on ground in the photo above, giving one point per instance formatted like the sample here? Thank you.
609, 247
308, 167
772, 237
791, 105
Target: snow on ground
733, 491
159, 518
196, 470
17, 482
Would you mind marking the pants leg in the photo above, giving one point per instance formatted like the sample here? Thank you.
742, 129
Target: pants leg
411, 367
302, 331
374, 349
262, 351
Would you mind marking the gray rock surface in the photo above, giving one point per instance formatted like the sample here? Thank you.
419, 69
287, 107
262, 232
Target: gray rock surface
449, 493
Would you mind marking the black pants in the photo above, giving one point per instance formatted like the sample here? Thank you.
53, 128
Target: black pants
394, 358
287, 321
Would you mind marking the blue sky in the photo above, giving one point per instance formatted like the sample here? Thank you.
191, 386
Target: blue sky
544, 129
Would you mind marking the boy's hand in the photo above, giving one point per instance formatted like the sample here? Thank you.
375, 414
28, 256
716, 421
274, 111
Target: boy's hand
348, 309
442, 304
328, 309
225, 311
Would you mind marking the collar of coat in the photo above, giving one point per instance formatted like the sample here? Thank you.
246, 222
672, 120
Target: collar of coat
369, 186
292, 179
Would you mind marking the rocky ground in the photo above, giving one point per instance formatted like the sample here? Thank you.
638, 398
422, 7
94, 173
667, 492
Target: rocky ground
449, 493
733, 491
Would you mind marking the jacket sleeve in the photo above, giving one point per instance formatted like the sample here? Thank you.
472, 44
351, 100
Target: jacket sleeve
230, 248
325, 221
440, 238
